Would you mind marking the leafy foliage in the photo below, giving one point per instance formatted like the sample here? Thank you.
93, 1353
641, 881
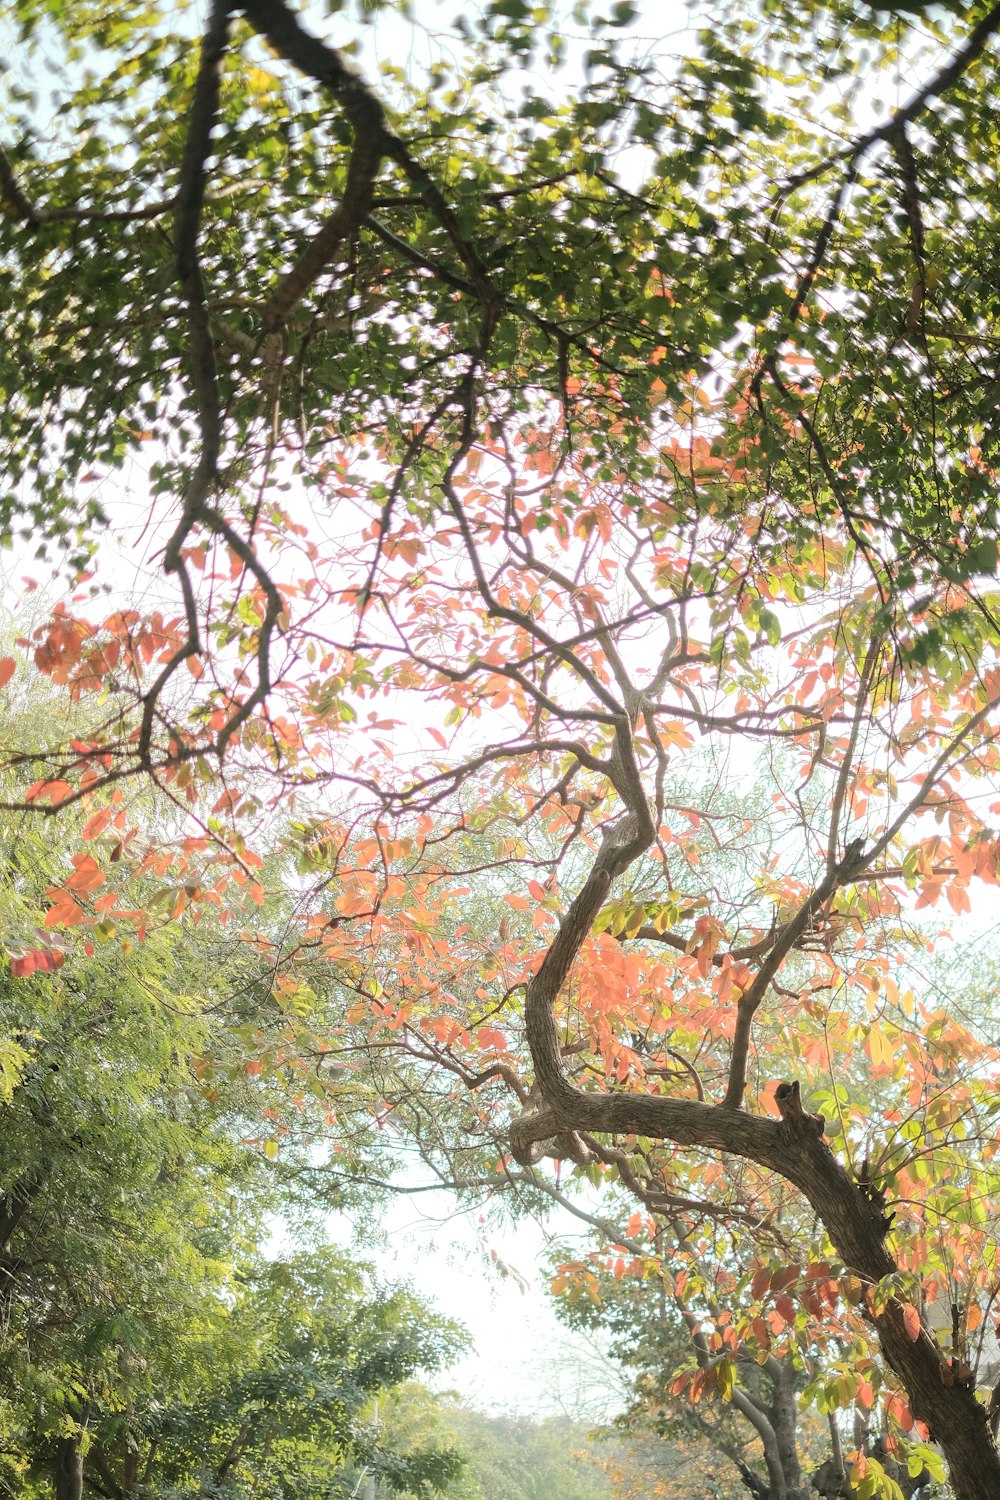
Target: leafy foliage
147, 1342
580, 510
509, 1458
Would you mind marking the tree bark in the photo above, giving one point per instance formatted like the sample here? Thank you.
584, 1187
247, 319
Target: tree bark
69, 1469
785, 1421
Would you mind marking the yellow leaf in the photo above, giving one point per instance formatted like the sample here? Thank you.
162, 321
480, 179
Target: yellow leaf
879, 1048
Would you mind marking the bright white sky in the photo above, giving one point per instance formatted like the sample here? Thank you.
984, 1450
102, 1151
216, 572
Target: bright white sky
522, 1357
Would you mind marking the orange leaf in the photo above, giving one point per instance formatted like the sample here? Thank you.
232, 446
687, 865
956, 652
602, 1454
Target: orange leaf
37, 961
897, 1409
87, 875
55, 792
958, 897
96, 825
760, 1333
7, 668
64, 912
491, 1036
911, 1321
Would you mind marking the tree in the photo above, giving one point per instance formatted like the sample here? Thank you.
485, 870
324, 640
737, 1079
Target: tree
668, 1331
284, 1404
734, 1404
743, 1345
149, 1347
120, 1181
507, 1457
267, 1390
648, 464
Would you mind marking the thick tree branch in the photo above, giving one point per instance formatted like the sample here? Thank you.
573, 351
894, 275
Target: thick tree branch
794, 1149
970, 51
187, 227
844, 871
317, 60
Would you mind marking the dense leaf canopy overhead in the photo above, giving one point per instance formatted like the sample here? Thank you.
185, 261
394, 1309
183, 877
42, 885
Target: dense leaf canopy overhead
311, 264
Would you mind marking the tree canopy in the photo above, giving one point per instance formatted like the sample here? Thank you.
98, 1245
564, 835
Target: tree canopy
507, 1458
150, 1344
571, 564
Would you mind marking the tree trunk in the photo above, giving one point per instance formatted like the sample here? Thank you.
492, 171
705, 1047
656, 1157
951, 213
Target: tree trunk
785, 1421
69, 1469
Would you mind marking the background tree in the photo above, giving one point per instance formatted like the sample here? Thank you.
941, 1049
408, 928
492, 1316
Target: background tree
284, 1405
734, 1403
511, 1457
149, 1347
